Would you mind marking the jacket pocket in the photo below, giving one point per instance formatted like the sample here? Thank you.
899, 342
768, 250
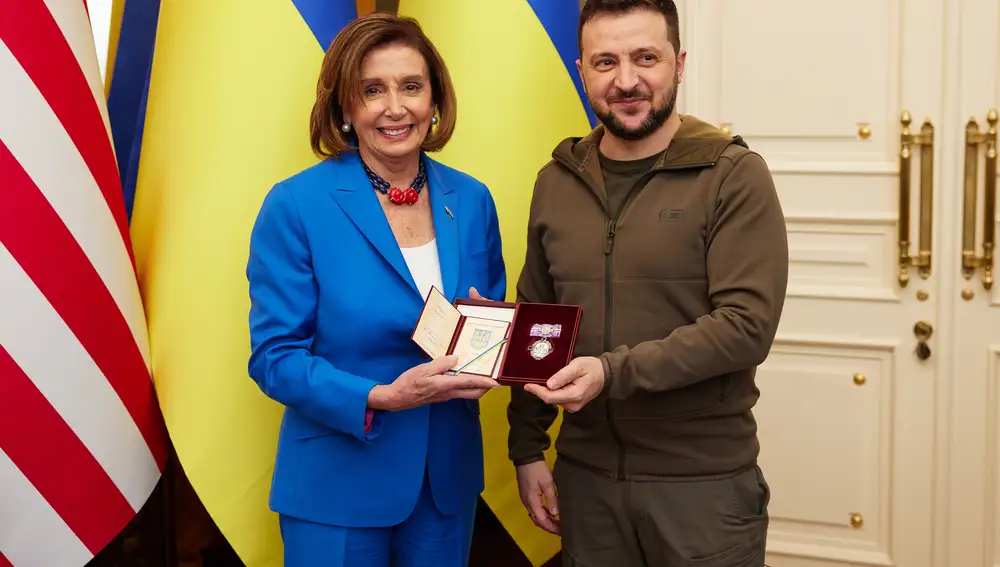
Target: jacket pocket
685, 402
315, 433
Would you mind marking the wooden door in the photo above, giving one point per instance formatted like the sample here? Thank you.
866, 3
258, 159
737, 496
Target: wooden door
849, 392
970, 503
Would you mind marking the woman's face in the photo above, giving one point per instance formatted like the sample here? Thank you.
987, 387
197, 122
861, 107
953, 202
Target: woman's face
394, 114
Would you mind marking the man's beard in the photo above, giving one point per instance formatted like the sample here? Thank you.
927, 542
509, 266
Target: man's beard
656, 117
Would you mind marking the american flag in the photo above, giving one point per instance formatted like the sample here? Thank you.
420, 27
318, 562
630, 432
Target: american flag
82, 442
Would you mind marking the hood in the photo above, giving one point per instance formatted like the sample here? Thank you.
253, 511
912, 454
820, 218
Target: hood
696, 144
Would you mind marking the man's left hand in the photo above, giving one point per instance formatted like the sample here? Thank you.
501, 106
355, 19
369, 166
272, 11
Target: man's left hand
574, 386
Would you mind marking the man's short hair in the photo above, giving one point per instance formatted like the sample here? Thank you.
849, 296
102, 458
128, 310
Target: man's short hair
594, 8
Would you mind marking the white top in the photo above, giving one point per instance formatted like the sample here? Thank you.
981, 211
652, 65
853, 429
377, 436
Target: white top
425, 267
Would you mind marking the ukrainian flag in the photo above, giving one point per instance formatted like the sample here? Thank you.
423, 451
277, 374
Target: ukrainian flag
513, 63
227, 116
130, 55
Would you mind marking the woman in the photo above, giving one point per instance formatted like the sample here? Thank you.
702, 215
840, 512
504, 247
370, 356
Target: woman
380, 453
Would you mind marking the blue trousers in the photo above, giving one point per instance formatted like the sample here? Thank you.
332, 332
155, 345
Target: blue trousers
425, 539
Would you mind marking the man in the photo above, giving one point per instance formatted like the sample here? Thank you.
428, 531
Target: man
670, 236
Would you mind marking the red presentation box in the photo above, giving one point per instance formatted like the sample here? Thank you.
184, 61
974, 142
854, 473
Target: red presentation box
540, 342
538, 338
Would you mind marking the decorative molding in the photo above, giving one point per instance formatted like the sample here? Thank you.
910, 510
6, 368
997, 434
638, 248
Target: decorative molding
838, 165
991, 529
776, 545
861, 250
815, 137
839, 342
870, 442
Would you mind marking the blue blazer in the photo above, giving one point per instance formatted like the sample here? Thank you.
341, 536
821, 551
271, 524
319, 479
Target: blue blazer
333, 307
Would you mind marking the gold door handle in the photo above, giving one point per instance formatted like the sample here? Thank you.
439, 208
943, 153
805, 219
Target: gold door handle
974, 139
925, 141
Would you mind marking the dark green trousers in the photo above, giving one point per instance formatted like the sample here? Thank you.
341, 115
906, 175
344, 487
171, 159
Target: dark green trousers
716, 521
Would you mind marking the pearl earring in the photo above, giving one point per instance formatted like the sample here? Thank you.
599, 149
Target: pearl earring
434, 120
345, 127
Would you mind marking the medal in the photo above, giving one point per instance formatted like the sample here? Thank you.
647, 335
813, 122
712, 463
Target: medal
542, 347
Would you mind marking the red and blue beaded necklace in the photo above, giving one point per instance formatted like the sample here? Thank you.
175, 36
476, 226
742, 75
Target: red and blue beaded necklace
396, 195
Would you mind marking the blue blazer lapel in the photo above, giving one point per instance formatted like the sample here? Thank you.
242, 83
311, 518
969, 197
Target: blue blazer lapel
353, 192
444, 209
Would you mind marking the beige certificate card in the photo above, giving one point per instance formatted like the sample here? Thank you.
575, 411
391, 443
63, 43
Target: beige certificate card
478, 345
436, 325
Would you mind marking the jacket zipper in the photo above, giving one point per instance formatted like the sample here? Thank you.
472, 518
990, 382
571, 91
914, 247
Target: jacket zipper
609, 248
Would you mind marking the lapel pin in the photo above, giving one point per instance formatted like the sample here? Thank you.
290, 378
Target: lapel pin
447, 210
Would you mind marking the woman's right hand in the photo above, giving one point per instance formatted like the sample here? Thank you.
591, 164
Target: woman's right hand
426, 384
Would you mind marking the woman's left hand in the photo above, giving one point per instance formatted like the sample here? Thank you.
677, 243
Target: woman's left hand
426, 384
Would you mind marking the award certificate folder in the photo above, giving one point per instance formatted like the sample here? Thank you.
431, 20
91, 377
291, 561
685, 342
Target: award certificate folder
515, 344
474, 331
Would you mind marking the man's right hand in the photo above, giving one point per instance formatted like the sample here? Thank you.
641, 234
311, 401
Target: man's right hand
427, 384
538, 494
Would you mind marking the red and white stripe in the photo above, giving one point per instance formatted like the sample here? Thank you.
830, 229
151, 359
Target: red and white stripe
82, 441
